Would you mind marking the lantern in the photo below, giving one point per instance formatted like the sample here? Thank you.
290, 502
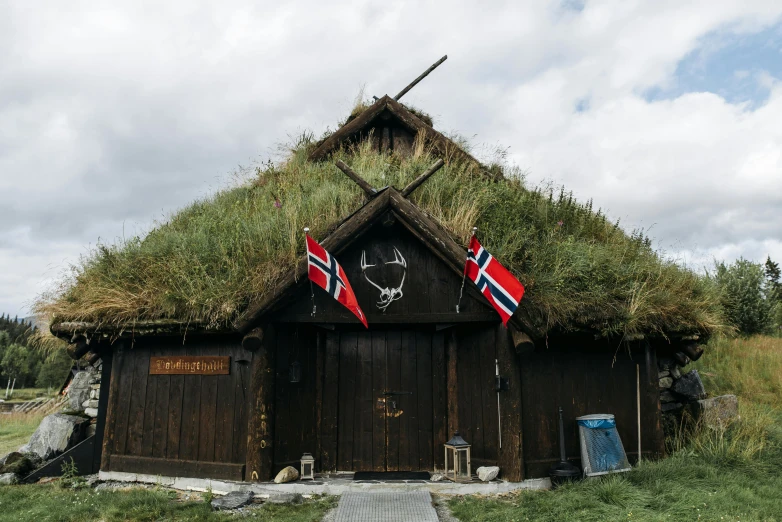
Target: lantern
459, 450
307, 467
294, 372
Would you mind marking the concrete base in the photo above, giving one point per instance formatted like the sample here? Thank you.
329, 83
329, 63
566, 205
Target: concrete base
332, 485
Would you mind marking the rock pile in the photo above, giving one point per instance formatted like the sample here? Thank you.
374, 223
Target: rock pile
684, 392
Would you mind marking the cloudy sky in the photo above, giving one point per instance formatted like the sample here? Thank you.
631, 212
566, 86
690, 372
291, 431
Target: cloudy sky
667, 113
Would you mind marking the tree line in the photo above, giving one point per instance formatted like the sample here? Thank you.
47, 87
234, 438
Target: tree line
22, 365
751, 295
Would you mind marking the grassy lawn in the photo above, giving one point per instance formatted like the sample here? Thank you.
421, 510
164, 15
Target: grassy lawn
26, 394
732, 474
48, 503
15, 430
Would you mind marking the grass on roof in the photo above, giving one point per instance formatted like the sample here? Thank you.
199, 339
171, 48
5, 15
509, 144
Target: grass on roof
210, 259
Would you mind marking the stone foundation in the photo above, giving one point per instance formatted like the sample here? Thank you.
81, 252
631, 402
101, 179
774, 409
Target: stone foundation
684, 392
84, 392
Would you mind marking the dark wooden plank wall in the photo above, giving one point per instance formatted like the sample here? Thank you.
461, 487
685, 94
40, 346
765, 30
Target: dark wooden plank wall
168, 424
388, 135
583, 377
359, 430
477, 350
431, 289
295, 404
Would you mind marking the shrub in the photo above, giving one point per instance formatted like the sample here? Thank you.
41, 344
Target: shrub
745, 297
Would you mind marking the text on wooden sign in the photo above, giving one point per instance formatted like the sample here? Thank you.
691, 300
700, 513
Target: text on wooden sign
189, 365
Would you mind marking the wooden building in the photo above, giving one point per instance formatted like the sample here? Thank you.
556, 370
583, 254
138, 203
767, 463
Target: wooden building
242, 402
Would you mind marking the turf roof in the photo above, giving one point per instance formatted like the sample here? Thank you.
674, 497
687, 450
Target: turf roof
210, 260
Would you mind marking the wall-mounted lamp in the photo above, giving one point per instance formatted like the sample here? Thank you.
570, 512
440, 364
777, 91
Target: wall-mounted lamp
294, 372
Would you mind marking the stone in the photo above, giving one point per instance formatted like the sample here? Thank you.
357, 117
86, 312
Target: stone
95, 386
668, 396
676, 372
671, 406
56, 433
488, 473
664, 373
436, 477
286, 475
19, 463
91, 412
79, 390
232, 500
690, 386
285, 498
666, 382
665, 363
7, 479
716, 411
91, 404
92, 429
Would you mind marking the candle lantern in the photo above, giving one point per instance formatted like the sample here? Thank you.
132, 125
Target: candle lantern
459, 450
294, 372
307, 467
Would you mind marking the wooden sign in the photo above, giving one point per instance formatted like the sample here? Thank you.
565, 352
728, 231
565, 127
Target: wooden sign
189, 365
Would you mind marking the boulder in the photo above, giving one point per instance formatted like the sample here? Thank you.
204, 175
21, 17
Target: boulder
79, 390
716, 411
671, 406
6, 479
690, 386
20, 464
487, 473
666, 382
665, 363
232, 500
57, 433
286, 475
668, 396
91, 412
285, 498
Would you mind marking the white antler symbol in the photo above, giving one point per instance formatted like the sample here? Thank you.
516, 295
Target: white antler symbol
387, 295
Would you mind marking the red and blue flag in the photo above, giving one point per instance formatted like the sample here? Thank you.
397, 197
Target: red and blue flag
495, 282
324, 271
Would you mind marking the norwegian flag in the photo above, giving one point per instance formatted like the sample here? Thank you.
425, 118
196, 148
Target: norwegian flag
325, 272
493, 280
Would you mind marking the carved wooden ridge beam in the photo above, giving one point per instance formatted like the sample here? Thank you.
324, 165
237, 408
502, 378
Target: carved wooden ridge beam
366, 187
423, 177
412, 84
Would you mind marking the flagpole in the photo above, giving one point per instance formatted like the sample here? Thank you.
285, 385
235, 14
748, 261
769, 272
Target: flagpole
464, 274
312, 290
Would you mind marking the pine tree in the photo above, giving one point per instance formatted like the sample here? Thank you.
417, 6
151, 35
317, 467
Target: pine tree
773, 275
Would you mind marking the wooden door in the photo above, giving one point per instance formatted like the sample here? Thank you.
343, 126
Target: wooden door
391, 399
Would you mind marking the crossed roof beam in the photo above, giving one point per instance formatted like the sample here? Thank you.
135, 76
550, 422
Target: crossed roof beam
371, 192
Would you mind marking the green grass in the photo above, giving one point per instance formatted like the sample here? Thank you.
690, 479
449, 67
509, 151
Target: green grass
750, 368
48, 503
26, 394
209, 260
733, 473
16, 429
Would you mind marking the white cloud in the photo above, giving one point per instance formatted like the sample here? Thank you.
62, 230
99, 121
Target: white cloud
111, 116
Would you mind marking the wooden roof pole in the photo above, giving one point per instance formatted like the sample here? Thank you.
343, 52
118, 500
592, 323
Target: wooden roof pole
423, 177
424, 75
366, 187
